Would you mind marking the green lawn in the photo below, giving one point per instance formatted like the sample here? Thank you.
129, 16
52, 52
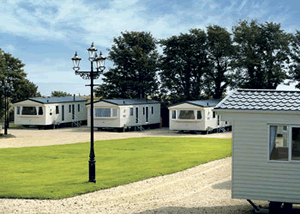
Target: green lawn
52, 172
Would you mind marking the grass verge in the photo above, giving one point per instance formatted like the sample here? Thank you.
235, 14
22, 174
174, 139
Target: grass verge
53, 172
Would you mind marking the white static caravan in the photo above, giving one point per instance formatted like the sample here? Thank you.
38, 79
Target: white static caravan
195, 116
50, 111
265, 144
125, 113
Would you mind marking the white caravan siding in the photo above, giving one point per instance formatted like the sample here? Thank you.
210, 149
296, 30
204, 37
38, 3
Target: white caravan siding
29, 119
49, 116
253, 175
104, 122
123, 115
194, 125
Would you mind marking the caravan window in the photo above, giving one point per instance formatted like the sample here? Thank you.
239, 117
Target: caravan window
186, 115
78, 107
18, 110
102, 112
173, 114
69, 108
131, 111
152, 111
26, 110
40, 110
284, 143
115, 112
199, 115
57, 109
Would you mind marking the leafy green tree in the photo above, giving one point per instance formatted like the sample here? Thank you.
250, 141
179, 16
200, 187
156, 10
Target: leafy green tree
135, 58
220, 52
11, 67
184, 63
60, 94
262, 54
295, 56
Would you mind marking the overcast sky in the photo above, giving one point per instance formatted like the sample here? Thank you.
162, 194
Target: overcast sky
44, 34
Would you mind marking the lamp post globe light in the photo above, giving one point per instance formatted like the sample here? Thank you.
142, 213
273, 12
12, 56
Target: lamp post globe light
6, 87
100, 66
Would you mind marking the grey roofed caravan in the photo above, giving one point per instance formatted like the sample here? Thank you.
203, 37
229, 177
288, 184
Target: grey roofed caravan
125, 114
259, 99
57, 99
196, 116
127, 101
265, 144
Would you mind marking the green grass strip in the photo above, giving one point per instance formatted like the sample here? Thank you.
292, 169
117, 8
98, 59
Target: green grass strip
53, 172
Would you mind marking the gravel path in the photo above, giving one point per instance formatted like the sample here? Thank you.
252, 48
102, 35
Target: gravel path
202, 189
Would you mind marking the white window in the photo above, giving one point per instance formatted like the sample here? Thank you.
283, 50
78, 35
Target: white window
186, 115
102, 112
106, 112
199, 115
173, 114
115, 112
29, 110
40, 110
284, 143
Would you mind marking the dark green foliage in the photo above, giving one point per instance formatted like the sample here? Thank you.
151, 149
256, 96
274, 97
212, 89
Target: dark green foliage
262, 51
220, 52
184, 63
135, 58
11, 67
295, 55
60, 94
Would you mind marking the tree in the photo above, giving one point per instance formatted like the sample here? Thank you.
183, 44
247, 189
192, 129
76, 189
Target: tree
135, 57
184, 63
262, 53
220, 52
295, 56
60, 94
11, 67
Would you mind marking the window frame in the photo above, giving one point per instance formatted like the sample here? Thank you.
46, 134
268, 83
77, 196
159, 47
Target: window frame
111, 113
188, 120
131, 110
289, 130
78, 107
57, 109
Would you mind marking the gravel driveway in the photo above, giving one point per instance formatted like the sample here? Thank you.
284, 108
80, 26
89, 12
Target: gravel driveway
202, 189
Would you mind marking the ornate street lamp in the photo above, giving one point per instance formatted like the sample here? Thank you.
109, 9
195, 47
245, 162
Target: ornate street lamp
100, 66
6, 87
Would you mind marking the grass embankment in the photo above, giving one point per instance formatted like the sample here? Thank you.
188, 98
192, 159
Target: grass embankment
52, 172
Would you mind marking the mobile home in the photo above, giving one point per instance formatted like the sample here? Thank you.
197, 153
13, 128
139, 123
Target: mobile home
265, 144
50, 111
125, 113
196, 115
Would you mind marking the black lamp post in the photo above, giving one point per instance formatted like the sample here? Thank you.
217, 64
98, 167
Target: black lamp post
6, 86
100, 66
